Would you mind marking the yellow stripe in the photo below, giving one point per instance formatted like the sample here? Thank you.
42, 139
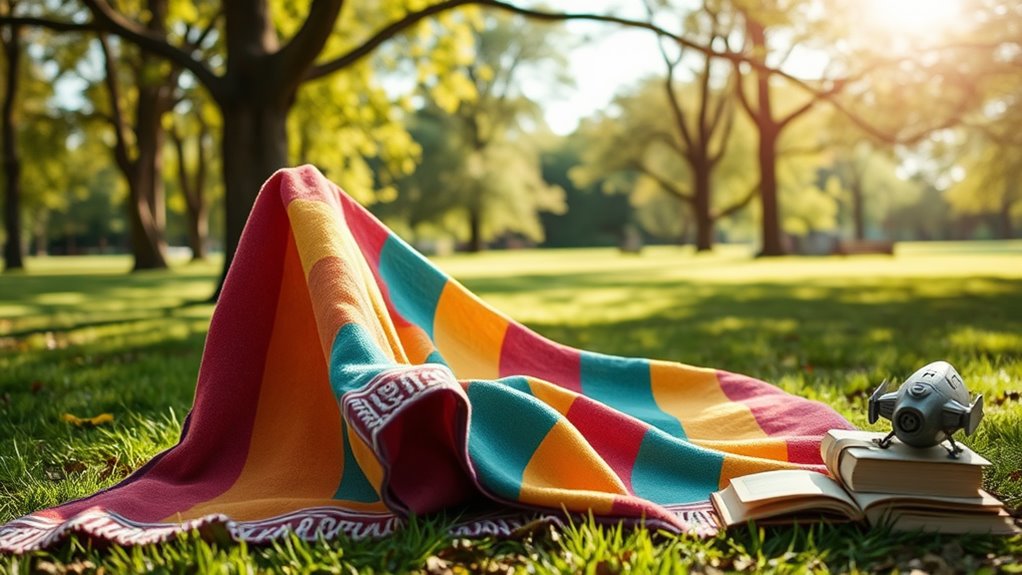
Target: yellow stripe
565, 470
694, 396
318, 231
468, 334
555, 396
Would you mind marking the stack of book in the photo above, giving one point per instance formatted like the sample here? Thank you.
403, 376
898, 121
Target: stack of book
902, 487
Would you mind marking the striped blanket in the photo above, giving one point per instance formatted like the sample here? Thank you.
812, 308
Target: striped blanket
347, 383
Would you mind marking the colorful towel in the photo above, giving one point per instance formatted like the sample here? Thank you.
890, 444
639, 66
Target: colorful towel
347, 382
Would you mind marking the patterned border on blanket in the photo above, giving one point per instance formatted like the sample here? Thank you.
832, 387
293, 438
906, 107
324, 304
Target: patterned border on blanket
33, 533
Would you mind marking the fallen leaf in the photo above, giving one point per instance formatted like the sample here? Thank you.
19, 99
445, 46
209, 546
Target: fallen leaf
73, 466
437, 566
1008, 396
87, 422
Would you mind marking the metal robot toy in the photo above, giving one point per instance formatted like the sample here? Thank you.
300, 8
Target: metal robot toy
930, 406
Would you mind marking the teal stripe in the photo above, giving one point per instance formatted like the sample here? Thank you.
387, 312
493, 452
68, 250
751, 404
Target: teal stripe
354, 359
507, 428
414, 284
435, 357
354, 484
671, 471
624, 384
517, 383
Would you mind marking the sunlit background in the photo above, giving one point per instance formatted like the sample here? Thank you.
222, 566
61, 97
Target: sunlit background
884, 120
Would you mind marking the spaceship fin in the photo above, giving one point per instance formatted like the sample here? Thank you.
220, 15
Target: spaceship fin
957, 416
874, 405
881, 403
974, 415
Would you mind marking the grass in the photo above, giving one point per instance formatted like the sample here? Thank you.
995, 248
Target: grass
80, 336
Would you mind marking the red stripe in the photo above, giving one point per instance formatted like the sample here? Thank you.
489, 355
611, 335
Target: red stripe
212, 452
370, 234
525, 352
635, 507
805, 450
305, 183
615, 437
777, 412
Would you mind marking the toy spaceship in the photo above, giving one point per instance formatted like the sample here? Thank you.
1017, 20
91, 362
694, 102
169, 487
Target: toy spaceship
930, 406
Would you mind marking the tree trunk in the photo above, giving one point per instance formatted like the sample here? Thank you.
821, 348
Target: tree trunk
14, 249
773, 244
1005, 228
701, 206
198, 232
769, 132
146, 201
475, 227
254, 146
193, 188
859, 209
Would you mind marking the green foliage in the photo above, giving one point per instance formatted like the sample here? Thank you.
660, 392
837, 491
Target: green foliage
593, 217
361, 142
480, 159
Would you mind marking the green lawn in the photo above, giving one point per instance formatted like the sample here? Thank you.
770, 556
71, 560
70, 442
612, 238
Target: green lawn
81, 336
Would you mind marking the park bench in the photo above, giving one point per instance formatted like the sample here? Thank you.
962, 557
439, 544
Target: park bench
853, 247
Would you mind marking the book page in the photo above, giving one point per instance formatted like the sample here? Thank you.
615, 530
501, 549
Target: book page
769, 486
786, 496
982, 502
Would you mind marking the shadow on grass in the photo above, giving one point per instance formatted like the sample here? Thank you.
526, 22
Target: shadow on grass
758, 326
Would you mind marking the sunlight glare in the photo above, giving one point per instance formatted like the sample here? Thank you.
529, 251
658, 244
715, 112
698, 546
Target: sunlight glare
914, 17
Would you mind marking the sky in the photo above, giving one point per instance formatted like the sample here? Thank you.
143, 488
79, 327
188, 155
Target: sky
609, 60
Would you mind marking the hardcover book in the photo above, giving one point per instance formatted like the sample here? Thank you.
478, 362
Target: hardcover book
909, 489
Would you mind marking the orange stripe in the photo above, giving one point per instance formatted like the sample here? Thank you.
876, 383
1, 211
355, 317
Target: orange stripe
343, 287
366, 459
415, 342
468, 334
296, 408
565, 470
339, 300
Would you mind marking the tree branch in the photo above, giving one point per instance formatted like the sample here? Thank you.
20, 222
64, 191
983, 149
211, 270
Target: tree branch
835, 89
725, 137
412, 18
55, 25
116, 116
741, 203
802, 151
197, 43
667, 185
295, 58
108, 19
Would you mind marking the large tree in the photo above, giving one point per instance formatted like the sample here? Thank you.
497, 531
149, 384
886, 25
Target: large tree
762, 18
10, 38
268, 51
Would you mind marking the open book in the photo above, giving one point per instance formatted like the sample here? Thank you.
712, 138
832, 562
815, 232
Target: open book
793, 496
901, 487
